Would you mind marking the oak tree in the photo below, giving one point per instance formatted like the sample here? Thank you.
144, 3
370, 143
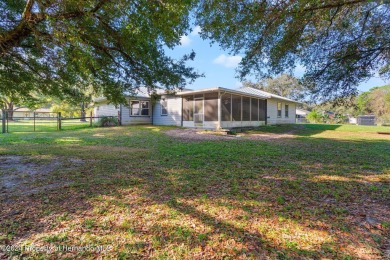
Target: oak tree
340, 42
53, 46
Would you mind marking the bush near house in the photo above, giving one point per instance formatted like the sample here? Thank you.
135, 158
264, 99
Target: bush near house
107, 121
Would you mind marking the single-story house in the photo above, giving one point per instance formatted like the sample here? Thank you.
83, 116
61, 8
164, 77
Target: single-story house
301, 113
24, 112
212, 108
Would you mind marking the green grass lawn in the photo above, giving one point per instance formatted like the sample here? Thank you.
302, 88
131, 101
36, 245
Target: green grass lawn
45, 125
322, 193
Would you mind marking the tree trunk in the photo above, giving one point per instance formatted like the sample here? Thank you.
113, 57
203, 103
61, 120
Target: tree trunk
9, 108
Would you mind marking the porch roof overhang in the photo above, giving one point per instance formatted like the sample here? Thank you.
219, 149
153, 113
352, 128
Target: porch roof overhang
225, 90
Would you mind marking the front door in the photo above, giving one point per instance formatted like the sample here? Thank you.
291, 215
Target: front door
198, 112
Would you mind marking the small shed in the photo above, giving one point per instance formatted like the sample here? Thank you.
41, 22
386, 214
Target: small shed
366, 120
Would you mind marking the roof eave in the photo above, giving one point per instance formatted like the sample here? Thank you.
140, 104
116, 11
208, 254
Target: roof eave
221, 89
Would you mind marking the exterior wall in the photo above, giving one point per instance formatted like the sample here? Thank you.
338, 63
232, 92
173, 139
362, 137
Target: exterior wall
174, 112
272, 112
233, 124
188, 124
206, 124
105, 110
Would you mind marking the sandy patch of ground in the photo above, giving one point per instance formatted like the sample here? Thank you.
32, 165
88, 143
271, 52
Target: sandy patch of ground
24, 175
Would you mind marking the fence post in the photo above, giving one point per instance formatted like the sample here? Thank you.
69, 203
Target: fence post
90, 119
119, 118
34, 120
59, 120
3, 121
6, 120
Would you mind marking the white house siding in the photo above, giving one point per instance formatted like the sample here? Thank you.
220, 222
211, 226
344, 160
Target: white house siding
174, 112
105, 110
272, 112
133, 120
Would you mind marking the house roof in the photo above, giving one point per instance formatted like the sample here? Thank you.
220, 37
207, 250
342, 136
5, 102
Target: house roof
300, 111
233, 91
25, 109
242, 91
262, 92
143, 92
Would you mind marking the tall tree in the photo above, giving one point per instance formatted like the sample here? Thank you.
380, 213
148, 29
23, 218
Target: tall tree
114, 46
375, 101
284, 85
340, 42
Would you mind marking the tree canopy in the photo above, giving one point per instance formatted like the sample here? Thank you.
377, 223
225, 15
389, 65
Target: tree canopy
284, 85
339, 42
61, 47
375, 101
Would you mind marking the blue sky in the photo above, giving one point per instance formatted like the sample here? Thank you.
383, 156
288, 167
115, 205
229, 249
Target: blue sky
219, 67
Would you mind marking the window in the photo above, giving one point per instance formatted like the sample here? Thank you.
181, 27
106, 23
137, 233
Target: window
134, 108
236, 108
139, 108
188, 108
285, 110
279, 109
164, 107
144, 108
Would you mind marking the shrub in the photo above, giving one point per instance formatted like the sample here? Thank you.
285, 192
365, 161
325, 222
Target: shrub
107, 121
314, 117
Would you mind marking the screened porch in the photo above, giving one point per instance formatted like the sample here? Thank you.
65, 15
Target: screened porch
221, 109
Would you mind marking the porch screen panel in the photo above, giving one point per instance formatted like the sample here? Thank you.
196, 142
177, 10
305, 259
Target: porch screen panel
211, 107
188, 108
226, 107
236, 108
246, 109
262, 109
254, 109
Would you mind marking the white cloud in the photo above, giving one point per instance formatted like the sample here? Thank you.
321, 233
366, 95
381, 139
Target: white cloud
228, 61
196, 30
185, 40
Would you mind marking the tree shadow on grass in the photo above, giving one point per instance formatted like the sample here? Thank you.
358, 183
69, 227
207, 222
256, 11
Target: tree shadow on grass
298, 129
228, 176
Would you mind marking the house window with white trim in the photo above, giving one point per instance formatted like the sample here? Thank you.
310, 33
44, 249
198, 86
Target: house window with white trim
164, 107
285, 110
139, 108
279, 108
